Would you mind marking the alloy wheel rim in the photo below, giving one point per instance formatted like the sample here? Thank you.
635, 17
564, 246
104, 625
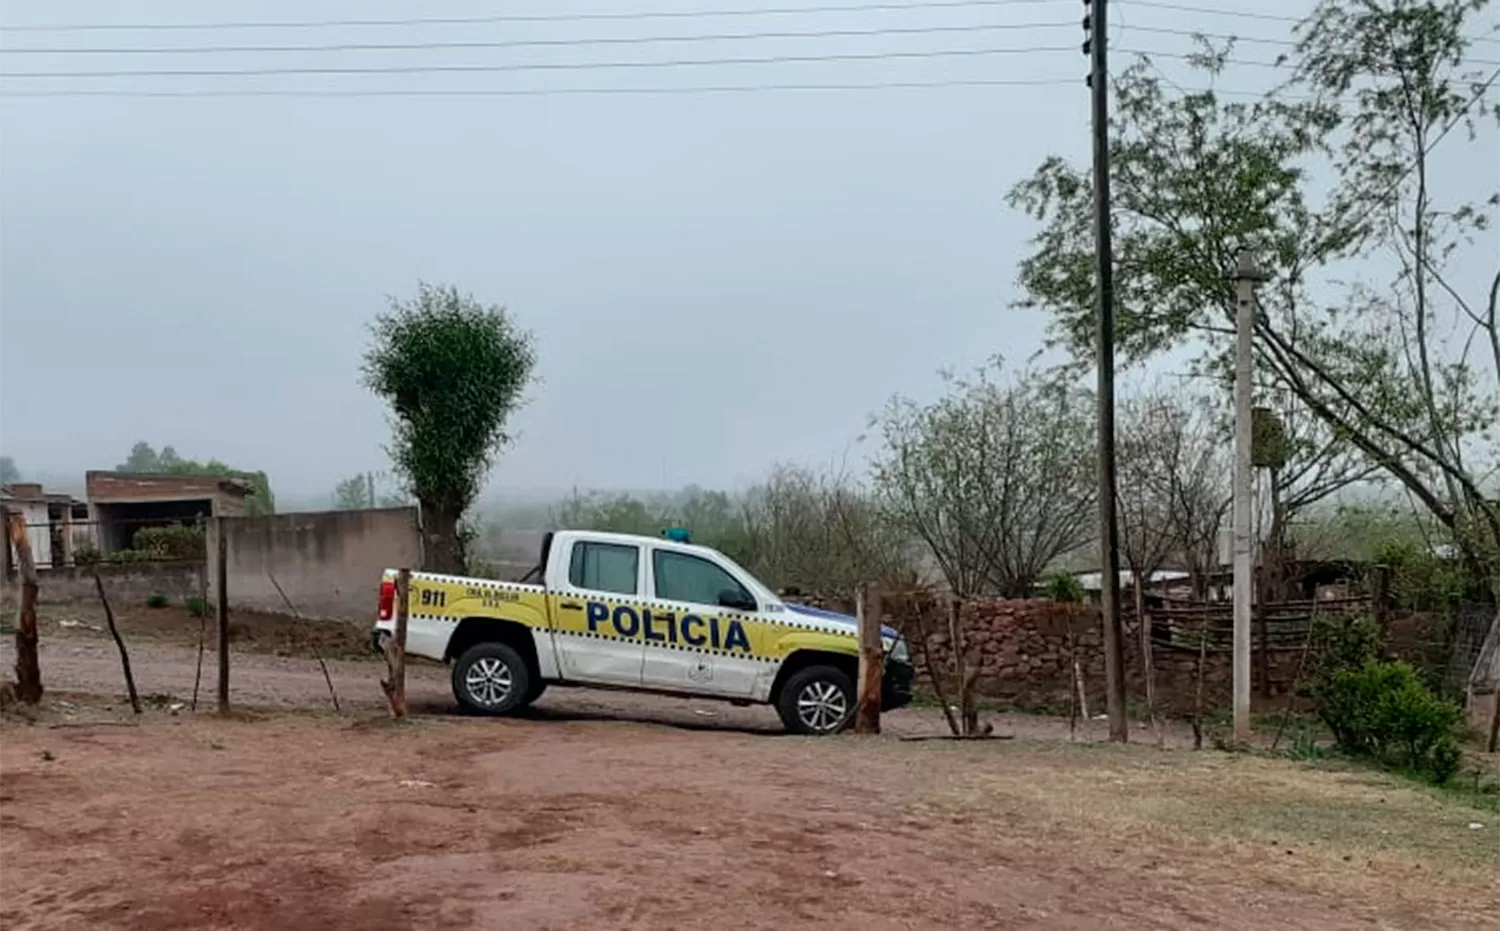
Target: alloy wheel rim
488, 681
821, 706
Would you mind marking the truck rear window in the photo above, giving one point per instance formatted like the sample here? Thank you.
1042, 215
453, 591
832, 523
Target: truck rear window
605, 567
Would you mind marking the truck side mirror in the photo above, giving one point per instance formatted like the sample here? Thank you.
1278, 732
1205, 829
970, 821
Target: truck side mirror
736, 599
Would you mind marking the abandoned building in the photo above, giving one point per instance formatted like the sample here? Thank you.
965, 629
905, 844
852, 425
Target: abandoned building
123, 502
55, 523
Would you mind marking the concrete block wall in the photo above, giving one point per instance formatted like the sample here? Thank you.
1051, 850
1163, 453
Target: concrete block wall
126, 583
327, 562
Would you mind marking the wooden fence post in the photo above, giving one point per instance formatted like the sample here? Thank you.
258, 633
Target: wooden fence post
221, 582
395, 650
109, 617
871, 661
28, 669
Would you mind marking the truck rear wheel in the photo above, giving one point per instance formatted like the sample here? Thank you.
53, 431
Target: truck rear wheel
492, 678
816, 701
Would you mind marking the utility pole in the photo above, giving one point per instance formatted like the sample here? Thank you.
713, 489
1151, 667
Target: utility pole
1094, 46
1247, 274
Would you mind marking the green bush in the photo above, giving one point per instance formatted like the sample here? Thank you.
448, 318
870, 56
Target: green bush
1063, 587
175, 542
1383, 711
156, 601
194, 606
1343, 642
86, 554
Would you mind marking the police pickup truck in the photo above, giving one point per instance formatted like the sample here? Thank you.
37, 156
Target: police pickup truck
639, 613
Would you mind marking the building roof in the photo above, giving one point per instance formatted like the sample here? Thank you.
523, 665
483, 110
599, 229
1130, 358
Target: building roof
161, 486
1094, 581
32, 493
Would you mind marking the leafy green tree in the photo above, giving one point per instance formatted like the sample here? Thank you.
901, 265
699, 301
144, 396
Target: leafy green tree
8, 471
453, 371
144, 458
1405, 370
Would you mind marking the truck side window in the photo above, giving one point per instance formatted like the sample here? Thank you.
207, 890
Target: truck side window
605, 567
680, 577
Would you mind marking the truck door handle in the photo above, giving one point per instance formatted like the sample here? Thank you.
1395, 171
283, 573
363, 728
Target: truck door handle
571, 606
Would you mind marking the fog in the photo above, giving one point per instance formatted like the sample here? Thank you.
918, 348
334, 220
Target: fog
717, 281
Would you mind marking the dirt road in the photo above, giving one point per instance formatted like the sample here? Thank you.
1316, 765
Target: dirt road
606, 810
91, 665
297, 821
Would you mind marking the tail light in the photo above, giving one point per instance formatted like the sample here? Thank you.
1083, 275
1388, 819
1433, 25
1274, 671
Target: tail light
387, 598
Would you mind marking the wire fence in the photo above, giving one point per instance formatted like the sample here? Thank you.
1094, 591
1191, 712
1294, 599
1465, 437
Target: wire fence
61, 543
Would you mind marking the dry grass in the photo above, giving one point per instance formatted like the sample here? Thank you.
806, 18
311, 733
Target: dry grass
1317, 828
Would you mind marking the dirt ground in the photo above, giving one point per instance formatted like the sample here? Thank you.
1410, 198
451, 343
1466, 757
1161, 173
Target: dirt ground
611, 811
566, 820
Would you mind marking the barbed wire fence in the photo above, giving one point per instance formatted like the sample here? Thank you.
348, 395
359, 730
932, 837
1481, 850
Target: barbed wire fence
147, 577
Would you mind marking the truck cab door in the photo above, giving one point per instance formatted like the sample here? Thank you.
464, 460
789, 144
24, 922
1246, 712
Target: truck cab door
693, 643
595, 606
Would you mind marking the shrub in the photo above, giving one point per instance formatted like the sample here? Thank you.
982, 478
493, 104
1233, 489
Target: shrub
1063, 587
175, 542
1343, 642
156, 601
86, 554
1383, 711
194, 606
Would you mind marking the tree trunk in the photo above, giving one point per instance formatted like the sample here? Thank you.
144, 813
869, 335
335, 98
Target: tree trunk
959, 647
28, 670
444, 549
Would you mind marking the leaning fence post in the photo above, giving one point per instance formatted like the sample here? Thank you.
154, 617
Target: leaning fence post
395, 650
28, 669
114, 631
221, 581
871, 661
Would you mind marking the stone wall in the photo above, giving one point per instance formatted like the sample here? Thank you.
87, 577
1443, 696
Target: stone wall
1026, 649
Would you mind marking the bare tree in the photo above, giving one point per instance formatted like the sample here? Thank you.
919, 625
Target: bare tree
1171, 480
996, 479
823, 533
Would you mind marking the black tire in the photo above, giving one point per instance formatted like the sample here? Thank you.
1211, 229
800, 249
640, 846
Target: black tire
809, 695
492, 679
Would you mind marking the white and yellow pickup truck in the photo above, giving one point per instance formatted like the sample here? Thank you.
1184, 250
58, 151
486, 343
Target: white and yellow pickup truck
640, 613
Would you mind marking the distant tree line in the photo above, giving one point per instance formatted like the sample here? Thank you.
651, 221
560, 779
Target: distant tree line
144, 458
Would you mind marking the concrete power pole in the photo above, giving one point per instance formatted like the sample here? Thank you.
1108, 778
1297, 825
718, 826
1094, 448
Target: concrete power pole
1109, 538
1247, 274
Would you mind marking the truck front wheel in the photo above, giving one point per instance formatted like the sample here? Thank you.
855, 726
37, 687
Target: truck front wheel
817, 700
492, 678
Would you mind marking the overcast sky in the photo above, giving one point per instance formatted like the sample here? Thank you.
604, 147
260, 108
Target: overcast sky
716, 281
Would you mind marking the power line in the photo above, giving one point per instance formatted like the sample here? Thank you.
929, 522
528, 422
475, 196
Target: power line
548, 92
524, 18
1241, 14
565, 91
1253, 63
532, 66
641, 40
606, 65
534, 43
